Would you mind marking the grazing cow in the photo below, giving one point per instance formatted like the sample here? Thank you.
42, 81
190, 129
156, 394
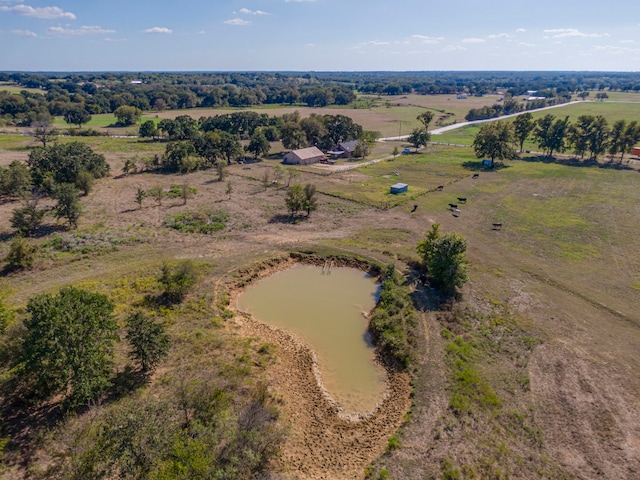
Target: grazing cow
453, 205
455, 212
462, 199
475, 175
440, 188
497, 226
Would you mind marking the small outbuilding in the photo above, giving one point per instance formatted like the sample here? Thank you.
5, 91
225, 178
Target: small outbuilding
635, 151
303, 156
399, 188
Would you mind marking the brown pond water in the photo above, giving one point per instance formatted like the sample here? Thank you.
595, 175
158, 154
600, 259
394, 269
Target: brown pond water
325, 311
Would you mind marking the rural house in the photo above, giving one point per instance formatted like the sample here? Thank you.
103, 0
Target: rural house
304, 156
344, 149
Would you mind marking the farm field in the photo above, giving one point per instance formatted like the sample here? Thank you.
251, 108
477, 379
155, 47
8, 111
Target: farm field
547, 329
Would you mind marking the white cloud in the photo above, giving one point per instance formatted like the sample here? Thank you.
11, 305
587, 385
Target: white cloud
299, 1
237, 22
453, 48
84, 30
521, 30
374, 43
473, 40
246, 11
24, 33
310, 45
524, 44
39, 12
427, 40
571, 32
627, 41
500, 35
114, 40
160, 30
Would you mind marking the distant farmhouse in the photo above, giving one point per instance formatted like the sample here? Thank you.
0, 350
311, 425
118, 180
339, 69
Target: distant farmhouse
344, 149
461, 96
304, 156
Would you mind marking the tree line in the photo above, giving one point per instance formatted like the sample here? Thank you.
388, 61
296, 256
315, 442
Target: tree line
589, 136
215, 141
74, 95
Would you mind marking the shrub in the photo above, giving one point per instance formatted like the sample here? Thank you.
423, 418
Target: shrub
22, 254
177, 280
202, 221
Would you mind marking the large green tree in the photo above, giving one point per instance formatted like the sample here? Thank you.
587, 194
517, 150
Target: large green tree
68, 345
258, 144
551, 134
444, 256
15, 180
523, 125
63, 162
295, 198
418, 138
495, 140
127, 115
76, 115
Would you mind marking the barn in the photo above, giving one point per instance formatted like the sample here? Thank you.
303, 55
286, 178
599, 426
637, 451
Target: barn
303, 156
635, 151
399, 188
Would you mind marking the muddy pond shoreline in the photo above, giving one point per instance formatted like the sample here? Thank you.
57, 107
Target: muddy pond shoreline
323, 441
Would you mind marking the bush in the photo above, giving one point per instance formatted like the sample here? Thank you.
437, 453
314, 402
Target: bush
394, 319
177, 280
22, 254
203, 221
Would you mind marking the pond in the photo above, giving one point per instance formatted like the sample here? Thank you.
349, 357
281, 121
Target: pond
325, 310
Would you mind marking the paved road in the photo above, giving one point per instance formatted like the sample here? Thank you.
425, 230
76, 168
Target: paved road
454, 126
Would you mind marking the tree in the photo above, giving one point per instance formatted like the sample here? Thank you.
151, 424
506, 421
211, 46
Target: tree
583, 94
127, 115
310, 203
148, 129
418, 138
148, 339
523, 125
295, 198
444, 257
76, 115
85, 182
229, 190
425, 118
258, 144
598, 137
22, 254
495, 140
551, 134
395, 152
291, 174
68, 345
43, 131
177, 280
180, 157
62, 162
141, 194
366, 142
292, 136
68, 206
15, 180
28, 218
340, 128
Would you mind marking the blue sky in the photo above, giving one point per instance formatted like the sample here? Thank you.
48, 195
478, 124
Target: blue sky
320, 35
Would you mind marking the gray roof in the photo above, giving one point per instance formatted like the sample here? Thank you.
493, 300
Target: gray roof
309, 152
